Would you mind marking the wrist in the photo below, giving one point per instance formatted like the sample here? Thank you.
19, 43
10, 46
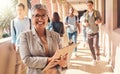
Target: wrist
49, 59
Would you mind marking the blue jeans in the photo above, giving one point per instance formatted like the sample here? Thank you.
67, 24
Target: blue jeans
84, 34
73, 37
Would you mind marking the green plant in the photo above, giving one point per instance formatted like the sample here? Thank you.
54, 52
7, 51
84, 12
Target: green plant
5, 35
7, 15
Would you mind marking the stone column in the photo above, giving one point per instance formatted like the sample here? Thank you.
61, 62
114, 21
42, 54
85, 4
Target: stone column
26, 7
96, 4
43, 1
59, 4
65, 9
54, 6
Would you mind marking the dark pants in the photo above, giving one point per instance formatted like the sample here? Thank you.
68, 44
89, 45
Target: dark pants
93, 41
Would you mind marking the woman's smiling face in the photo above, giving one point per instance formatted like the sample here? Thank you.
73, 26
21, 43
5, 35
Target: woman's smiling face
39, 18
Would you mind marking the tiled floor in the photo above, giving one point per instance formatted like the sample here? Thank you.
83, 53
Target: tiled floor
81, 64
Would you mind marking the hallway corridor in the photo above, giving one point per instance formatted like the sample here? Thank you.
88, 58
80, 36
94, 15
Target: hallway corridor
81, 64
109, 32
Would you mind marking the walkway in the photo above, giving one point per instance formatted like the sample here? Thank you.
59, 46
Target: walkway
78, 65
81, 64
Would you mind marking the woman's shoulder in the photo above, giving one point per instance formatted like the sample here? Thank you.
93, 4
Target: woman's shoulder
53, 33
61, 22
26, 33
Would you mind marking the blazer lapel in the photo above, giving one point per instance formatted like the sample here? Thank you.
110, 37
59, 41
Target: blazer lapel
35, 36
50, 42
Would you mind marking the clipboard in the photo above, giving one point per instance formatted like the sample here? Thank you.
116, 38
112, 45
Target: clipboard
61, 52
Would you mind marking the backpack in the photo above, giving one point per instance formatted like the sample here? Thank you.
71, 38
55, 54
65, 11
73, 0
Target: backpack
94, 13
68, 18
15, 29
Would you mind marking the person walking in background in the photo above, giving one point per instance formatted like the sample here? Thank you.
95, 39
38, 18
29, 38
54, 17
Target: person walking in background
73, 27
92, 20
82, 19
18, 25
57, 25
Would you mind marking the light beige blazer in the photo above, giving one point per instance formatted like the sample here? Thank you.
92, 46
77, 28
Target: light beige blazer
32, 50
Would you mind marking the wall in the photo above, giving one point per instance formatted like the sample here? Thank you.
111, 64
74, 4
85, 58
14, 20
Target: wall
48, 5
7, 57
33, 2
111, 36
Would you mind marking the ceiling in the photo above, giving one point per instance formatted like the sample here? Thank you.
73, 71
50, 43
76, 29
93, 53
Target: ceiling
76, 1
78, 4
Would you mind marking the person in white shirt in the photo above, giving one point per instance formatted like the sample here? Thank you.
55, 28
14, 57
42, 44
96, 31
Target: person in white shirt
19, 24
73, 27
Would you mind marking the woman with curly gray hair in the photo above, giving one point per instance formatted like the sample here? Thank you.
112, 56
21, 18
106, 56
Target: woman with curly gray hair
38, 46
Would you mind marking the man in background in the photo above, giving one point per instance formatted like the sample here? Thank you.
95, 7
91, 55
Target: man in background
18, 25
73, 27
92, 20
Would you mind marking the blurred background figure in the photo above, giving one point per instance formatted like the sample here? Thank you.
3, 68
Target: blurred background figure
57, 25
18, 25
92, 20
82, 19
73, 27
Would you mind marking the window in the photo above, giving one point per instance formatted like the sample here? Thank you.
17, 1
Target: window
118, 13
104, 11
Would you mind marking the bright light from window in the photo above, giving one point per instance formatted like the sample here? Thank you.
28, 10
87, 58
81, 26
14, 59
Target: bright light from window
4, 4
